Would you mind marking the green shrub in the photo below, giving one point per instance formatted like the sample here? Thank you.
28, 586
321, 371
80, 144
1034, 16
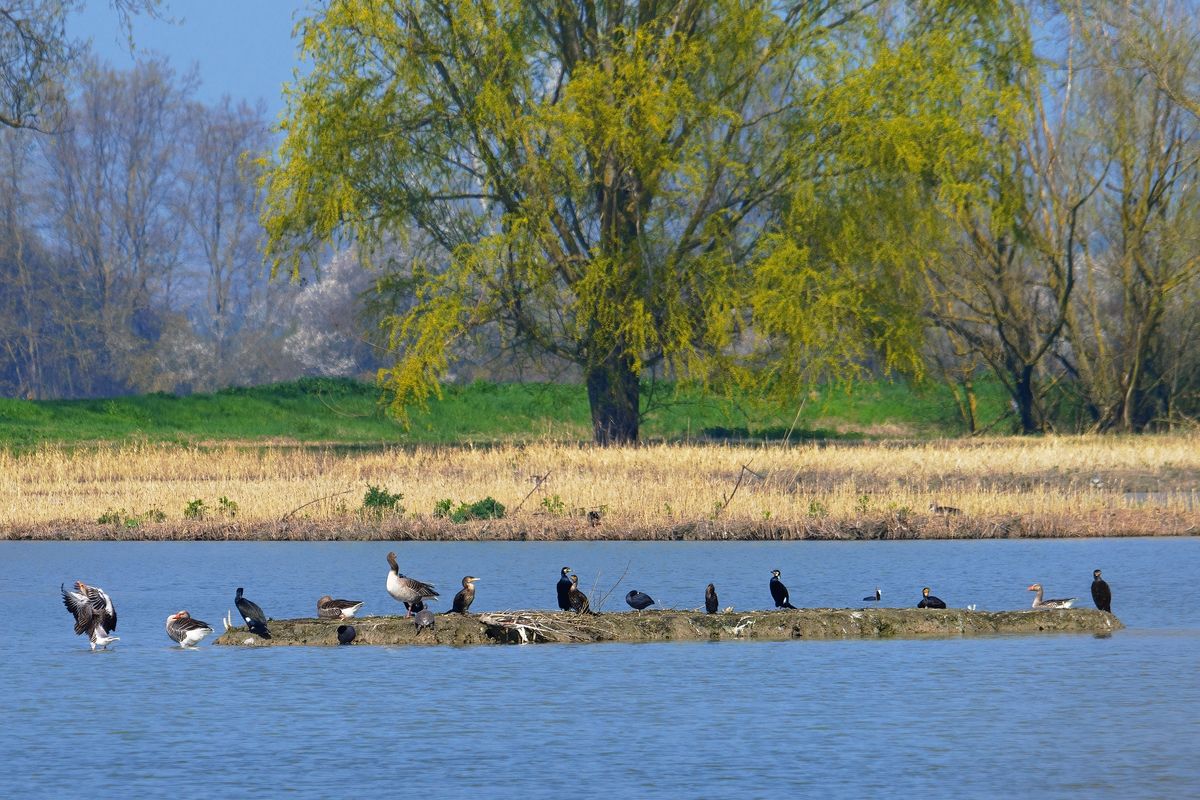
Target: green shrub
195, 509
487, 508
443, 508
112, 516
227, 507
379, 501
554, 504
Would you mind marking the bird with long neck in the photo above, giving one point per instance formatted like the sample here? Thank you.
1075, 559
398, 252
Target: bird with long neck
564, 589
404, 589
1101, 594
579, 600
466, 596
94, 613
1056, 602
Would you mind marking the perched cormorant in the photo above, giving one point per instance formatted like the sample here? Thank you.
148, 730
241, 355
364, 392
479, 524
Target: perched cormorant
710, 599
779, 592
414, 607
328, 608
463, 600
1057, 602
578, 600
185, 630
424, 619
1101, 594
256, 620
346, 634
564, 589
944, 511
929, 601
404, 589
874, 598
94, 613
639, 600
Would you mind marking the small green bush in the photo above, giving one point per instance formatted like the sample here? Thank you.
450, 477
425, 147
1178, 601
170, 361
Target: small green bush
487, 508
195, 509
443, 508
554, 504
379, 501
227, 507
112, 516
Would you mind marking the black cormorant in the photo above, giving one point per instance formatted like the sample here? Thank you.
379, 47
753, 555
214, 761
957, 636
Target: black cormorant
414, 607
256, 620
639, 600
577, 599
710, 599
779, 592
463, 600
328, 608
874, 598
929, 601
564, 589
1101, 594
346, 634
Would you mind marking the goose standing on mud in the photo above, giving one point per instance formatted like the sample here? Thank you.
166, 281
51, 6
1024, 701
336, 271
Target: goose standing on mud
874, 598
564, 589
328, 608
186, 631
639, 601
1101, 594
779, 592
256, 620
94, 613
1057, 602
463, 600
577, 599
930, 601
404, 589
710, 599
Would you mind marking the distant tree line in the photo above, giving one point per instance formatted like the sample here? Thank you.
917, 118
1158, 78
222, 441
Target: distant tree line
130, 256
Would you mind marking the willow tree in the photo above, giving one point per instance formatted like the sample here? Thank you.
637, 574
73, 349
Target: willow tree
705, 187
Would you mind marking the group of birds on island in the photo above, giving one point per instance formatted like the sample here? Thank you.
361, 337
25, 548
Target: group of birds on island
95, 614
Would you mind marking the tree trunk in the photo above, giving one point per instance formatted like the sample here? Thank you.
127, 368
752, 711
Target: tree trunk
613, 396
1023, 400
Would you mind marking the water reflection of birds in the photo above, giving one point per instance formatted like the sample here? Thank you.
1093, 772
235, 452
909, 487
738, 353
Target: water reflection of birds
930, 601
462, 600
639, 600
710, 599
779, 592
346, 634
1101, 594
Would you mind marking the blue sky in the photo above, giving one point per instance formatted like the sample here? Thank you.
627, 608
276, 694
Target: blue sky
242, 48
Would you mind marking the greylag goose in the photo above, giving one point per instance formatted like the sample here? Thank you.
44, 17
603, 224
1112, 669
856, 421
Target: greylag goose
186, 631
639, 601
779, 592
1101, 594
404, 589
462, 600
1058, 602
94, 613
256, 620
564, 589
930, 601
328, 608
710, 599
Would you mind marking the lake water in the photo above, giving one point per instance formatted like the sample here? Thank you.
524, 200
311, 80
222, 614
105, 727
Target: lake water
1059, 716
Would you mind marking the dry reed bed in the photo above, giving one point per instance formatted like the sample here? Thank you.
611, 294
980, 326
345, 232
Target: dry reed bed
1052, 486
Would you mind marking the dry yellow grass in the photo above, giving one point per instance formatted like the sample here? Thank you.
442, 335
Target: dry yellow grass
1004, 487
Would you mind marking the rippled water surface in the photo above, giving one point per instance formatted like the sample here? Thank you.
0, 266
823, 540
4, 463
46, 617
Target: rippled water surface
1059, 716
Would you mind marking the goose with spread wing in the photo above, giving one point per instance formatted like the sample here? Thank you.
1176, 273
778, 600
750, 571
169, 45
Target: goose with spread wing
94, 613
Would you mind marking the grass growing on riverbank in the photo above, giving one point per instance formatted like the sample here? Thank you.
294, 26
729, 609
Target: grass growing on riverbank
1004, 487
349, 412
